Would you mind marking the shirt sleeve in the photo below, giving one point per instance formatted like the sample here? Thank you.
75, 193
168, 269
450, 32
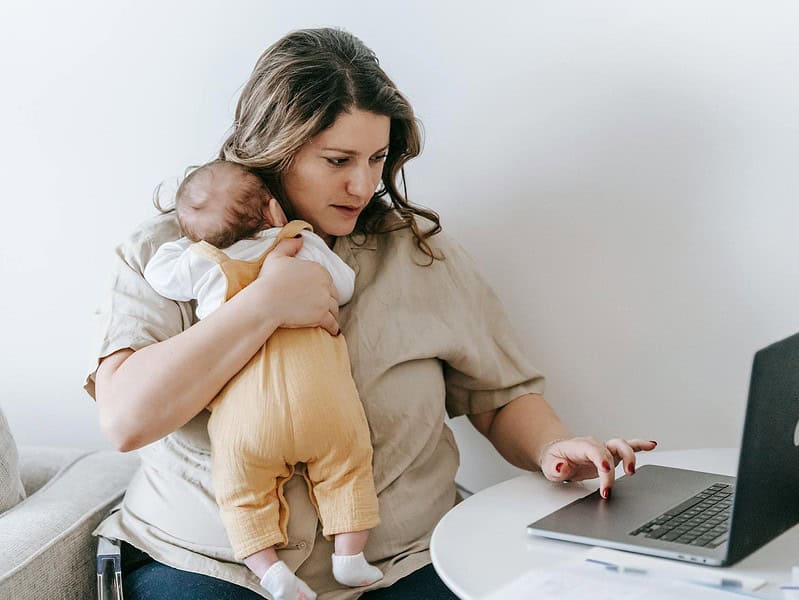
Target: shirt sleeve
484, 364
134, 315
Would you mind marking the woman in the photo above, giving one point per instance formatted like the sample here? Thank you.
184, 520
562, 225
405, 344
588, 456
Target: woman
329, 133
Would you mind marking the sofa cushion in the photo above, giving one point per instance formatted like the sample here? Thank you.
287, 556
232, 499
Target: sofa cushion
40, 464
46, 546
11, 490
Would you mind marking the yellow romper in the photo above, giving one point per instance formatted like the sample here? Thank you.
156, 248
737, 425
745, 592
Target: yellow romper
294, 402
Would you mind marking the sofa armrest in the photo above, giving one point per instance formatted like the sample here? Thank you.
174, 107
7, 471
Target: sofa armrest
48, 549
40, 464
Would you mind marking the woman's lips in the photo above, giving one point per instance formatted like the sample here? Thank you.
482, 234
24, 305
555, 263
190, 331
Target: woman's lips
348, 210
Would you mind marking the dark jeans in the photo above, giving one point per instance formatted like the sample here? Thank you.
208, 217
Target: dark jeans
146, 579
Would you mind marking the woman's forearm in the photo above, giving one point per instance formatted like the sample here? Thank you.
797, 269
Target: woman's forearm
156, 390
520, 430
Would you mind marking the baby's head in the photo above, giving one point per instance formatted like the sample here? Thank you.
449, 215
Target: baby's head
222, 202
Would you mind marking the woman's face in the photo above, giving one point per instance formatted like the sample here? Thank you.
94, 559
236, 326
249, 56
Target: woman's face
335, 174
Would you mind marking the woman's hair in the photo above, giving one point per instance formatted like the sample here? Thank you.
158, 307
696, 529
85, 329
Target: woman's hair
299, 86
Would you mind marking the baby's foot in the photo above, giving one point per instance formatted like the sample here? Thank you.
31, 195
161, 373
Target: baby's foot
354, 571
282, 584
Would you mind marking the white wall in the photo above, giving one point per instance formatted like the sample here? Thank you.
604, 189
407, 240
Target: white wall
625, 173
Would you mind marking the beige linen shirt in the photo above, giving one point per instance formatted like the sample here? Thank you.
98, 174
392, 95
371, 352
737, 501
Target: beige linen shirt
423, 341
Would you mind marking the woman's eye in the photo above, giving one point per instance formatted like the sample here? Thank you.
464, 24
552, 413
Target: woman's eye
340, 162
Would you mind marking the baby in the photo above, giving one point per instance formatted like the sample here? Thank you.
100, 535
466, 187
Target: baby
294, 402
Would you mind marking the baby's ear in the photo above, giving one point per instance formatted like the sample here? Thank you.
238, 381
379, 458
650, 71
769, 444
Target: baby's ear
275, 214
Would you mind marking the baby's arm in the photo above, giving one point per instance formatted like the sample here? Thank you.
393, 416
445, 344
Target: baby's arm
169, 272
178, 273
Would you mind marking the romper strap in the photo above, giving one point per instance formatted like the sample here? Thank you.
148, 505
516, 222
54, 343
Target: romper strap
217, 256
209, 251
291, 230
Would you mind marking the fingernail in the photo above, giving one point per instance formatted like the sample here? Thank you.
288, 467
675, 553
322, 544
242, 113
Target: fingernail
606, 493
558, 467
653, 442
605, 466
631, 470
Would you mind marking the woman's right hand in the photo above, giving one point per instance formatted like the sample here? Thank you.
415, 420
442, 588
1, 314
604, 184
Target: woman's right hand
300, 293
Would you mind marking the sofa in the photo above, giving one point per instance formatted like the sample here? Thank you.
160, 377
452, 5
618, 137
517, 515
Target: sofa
47, 551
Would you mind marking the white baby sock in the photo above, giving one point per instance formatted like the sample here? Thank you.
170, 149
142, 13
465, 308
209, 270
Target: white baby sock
354, 571
282, 584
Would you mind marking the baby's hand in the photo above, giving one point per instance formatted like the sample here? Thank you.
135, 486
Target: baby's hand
274, 214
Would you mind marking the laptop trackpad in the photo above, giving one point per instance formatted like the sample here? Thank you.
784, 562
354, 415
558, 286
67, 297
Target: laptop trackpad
635, 500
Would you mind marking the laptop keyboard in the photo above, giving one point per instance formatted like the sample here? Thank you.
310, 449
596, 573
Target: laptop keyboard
702, 520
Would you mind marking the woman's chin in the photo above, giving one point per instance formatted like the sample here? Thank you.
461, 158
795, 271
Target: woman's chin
340, 229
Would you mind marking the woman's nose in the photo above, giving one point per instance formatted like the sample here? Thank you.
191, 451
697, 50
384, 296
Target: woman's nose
360, 184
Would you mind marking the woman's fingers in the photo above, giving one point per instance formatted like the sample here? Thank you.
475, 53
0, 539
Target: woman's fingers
300, 293
602, 459
330, 324
553, 464
625, 451
286, 248
639, 445
585, 458
330, 320
578, 459
622, 452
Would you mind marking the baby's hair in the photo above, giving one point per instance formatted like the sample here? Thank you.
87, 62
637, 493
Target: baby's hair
245, 209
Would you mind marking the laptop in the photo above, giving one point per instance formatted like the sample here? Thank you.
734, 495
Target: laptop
702, 517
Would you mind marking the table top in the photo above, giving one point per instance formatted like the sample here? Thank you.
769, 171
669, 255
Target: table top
482, 543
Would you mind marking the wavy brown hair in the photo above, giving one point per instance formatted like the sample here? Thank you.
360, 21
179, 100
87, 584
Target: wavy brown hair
298, 88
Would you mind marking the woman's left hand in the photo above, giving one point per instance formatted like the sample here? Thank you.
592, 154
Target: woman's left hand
581, 458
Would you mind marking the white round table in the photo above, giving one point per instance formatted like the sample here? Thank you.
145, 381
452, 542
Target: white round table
482, 543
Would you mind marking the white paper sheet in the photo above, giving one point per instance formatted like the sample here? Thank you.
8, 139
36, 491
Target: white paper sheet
672, 568
580, 580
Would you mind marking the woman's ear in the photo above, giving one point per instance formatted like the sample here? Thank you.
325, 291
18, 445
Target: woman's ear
275, 214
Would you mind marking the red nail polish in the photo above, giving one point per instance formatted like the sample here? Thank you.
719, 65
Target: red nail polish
631, 470
605, 466
606, 493
559, 467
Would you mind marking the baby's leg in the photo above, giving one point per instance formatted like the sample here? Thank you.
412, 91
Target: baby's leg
333, 440
349, 564
276, 578
248, 481
349, 544
341, 483
260, 561
343, 488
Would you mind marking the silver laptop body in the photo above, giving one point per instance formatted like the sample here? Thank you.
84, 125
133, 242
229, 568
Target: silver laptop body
763, 499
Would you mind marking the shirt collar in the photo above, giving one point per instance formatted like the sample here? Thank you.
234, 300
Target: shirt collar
348, 246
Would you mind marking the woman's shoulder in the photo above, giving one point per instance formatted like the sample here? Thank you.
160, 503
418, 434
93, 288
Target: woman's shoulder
451, 271
147, 237
404, 242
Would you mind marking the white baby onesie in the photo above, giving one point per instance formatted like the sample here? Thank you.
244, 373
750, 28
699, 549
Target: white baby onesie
178, 273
